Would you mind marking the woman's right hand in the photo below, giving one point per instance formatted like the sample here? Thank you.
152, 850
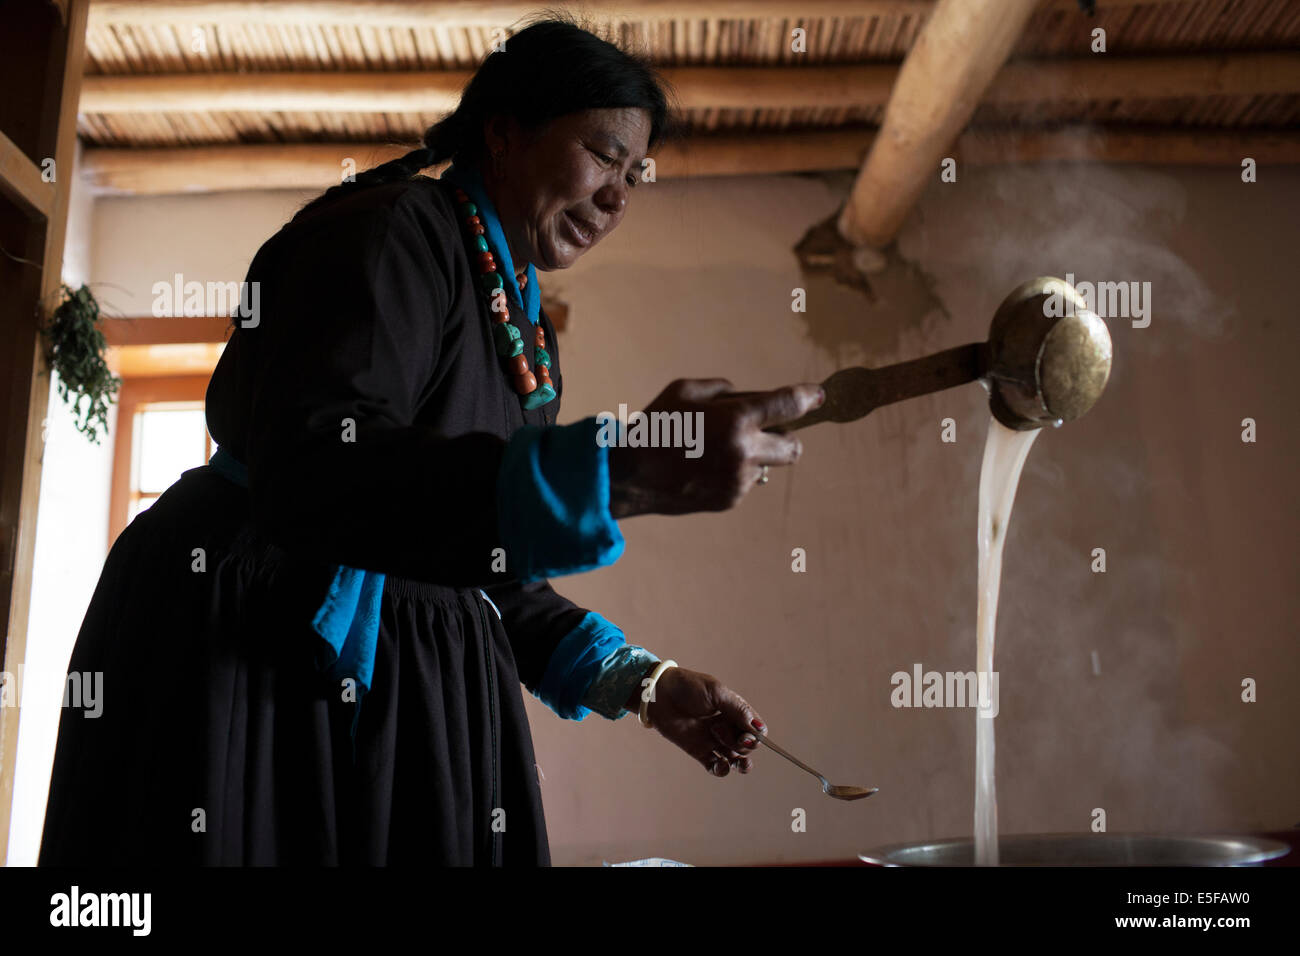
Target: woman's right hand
734, 448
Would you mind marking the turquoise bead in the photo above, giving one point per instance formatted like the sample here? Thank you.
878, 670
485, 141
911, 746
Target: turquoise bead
539, 396
491, 281
480, 244
540, 357
468, 209
507, 339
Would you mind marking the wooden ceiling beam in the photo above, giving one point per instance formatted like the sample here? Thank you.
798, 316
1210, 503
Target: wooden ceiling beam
487, 13
1084, 79
775, 87
439, 92
1172, 146
379, 92
316, 166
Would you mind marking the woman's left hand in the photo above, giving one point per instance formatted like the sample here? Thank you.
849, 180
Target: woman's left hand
705, 718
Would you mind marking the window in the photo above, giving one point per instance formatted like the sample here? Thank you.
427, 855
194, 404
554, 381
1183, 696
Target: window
161, 432
170, 438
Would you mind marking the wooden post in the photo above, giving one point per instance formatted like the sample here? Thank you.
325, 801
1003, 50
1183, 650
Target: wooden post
41, 51
943, 79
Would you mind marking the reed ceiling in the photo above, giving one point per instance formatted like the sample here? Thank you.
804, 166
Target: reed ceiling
190, 73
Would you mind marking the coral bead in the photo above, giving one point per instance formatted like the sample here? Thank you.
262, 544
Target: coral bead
488, 260
543, 375
477, 230
540, 338
518, 365
525, 383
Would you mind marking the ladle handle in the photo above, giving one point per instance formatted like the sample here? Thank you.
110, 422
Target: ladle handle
854, 392
934, 373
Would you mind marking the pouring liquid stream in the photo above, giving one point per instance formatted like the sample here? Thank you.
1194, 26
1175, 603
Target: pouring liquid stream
1005, 451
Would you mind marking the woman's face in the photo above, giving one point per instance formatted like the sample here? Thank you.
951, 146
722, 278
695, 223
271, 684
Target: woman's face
564, 188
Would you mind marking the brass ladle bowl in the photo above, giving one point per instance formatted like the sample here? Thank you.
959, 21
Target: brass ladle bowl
1046, 361
1048, 356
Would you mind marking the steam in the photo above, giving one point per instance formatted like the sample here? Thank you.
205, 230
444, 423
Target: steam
1007, 224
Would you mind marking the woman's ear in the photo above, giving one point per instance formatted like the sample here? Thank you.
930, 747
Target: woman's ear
496, 139
504, 137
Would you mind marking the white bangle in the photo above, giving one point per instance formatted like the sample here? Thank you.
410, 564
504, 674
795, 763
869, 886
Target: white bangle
648, 691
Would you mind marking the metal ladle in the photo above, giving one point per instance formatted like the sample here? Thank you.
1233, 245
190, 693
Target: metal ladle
1046, 361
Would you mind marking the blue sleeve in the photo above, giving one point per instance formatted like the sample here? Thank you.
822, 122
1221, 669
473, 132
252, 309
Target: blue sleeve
575, 663
593, 668
553, 501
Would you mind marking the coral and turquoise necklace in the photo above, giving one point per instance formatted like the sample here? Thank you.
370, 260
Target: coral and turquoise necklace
534, 387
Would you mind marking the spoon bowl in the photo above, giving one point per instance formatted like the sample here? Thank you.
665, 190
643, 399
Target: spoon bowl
848, 793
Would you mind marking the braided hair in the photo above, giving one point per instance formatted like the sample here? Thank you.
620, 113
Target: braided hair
550, 69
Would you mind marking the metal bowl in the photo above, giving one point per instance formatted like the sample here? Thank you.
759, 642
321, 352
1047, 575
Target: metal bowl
1087, 849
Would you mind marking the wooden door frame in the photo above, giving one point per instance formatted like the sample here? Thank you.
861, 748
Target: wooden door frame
55, 92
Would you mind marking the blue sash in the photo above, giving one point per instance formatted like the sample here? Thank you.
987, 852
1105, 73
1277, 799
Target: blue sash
347, 620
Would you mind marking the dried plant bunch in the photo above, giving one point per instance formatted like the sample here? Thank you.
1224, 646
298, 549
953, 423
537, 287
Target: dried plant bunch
74, 348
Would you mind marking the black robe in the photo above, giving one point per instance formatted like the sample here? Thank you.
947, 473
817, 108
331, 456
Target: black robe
220, 742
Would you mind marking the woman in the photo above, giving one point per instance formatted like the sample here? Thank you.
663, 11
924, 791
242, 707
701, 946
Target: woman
311, 646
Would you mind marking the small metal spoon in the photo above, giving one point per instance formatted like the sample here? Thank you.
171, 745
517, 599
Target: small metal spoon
828, 788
